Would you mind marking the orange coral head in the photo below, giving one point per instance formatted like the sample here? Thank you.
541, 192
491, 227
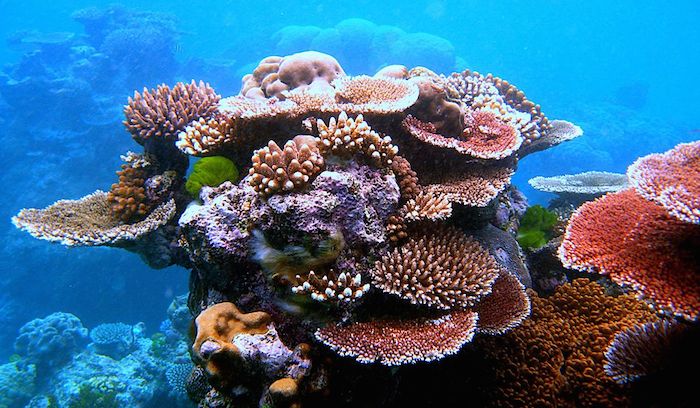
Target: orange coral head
217, 326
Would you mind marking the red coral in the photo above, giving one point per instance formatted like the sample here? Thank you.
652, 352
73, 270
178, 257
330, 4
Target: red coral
488, 137
637, 243
671, 179
396, 342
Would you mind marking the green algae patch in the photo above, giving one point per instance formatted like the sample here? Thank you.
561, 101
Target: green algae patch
210, 171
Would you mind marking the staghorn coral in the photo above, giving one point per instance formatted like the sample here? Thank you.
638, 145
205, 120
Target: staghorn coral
88, 221
577, 188
127, 198
331, 286
427, 206
443, 268
555, 358
285, 169
671, 179
398, 342
642, 350
164, 112
206, 135
637, 243
475, 188
396, 228
347, 137
506, 307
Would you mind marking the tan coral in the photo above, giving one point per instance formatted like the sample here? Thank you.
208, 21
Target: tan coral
347, 137
217, 327
560, 131
396, 229
397, 342
474, 188
207, 136
331, 286
285, 169
164, 112
377, 95
427, 206
443, 269
89, 221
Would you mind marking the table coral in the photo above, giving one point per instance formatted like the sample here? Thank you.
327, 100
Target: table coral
671, 180
637, 243
577, 188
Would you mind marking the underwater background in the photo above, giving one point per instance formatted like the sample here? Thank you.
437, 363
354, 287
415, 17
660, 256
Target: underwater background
624, 71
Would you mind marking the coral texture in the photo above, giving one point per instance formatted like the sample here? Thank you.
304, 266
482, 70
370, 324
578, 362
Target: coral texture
637, 243
128, 197
331, 286
506, 307
164, 112
641, 350
671, 179
581, 187
88, 221
488, 137
475, 189
285, 169
556, 357
51, 341
397, 342
442, 269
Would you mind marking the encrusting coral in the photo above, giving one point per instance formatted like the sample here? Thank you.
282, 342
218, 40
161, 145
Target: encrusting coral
329, 211
556, 357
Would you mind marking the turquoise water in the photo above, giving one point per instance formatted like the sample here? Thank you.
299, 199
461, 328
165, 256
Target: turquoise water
624, 71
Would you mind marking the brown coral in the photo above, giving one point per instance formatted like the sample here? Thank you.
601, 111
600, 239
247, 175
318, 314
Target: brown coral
331, 286
397, 342
555, 358
443, 269
127, 198
406, 178
347, 137
671, 179
164, 112
379, 95
638, 244
285, 169
217, 326
88, 221
506, 307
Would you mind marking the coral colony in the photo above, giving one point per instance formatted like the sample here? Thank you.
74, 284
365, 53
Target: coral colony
364, 234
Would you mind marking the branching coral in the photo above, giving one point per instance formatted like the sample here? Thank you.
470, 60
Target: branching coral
128, 197
331, 286
285, 169
638, 244
88, 221
427, 206
347, 137
443, 269
671, 179
205, 136
397, 342
163, 112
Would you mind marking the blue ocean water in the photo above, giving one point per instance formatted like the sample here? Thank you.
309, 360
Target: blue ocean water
624, 71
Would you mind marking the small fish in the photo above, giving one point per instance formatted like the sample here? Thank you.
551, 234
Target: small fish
293, 260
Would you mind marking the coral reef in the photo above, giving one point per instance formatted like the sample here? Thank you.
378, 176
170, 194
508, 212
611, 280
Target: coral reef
578, 188
51, 341
363, 228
